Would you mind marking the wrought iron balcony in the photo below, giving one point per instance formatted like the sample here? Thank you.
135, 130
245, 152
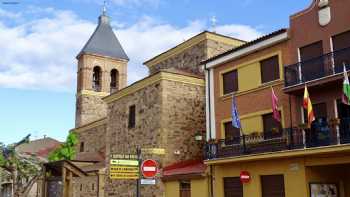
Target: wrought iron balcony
317, 68
319, 135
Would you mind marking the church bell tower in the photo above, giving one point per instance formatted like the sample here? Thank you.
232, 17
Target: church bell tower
102, 70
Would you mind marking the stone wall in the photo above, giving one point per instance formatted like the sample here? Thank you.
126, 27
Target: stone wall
123, 140
183, 115
215, 48
94, 139
89, 108
85, 187
168, 114
189, 59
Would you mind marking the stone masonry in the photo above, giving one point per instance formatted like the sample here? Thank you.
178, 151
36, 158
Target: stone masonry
168, 114
189, 59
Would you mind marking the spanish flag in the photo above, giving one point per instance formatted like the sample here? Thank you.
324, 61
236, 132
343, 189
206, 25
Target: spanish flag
308, 106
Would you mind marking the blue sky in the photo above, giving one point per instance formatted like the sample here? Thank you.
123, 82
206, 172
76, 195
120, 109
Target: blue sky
40, 39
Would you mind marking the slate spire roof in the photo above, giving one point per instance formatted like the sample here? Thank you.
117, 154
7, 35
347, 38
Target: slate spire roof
103, 41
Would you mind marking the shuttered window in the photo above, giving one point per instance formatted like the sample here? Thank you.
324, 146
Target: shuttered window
230, 82
185, 189
233, 187
132, 118
311, 51
311, 69
272, 186
232, 134
272, 128
341, 41
269, 69
342, 55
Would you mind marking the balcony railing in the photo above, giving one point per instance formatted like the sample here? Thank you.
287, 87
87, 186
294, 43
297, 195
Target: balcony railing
319, 135
316, 68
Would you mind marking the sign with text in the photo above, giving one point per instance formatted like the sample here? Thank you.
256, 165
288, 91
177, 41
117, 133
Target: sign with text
154, 151
123, 162
124, 166
148, 181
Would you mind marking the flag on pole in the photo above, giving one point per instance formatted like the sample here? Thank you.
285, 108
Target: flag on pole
276, 113
346, 88
235, 116
308, 106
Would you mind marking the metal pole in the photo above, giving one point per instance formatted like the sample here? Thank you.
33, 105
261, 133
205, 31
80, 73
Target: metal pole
138, 181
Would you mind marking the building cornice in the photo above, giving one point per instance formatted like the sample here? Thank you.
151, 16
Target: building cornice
154, 79
92, 93
90, 125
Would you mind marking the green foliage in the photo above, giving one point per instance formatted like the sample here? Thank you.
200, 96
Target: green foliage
67, 149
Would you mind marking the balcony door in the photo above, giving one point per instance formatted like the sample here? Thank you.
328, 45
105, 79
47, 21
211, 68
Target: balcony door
344, 126
311, 67
341, 48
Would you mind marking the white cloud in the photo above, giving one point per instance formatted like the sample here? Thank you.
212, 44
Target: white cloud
7, 14
243, 32
40, 53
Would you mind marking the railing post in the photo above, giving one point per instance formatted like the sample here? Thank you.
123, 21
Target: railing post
291, 140
299, 73
304, 138
337, 133
244, 144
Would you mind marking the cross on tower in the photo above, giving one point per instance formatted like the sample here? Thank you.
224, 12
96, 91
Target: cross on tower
104, 10
213, 23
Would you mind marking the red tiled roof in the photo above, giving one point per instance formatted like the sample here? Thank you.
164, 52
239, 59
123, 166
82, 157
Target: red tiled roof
185, 168
41, 147
89, 156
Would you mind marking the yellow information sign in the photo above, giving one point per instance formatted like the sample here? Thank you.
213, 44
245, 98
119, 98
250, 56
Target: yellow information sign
123, 175
124, 169
124, 162
155, 151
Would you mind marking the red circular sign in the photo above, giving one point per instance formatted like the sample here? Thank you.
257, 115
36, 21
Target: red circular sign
245, 177
149, 168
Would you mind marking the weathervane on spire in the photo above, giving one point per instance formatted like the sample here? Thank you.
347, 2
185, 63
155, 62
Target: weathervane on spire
104, 10
213, 23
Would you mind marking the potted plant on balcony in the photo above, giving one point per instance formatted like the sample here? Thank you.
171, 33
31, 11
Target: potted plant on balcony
303, 126
334, 122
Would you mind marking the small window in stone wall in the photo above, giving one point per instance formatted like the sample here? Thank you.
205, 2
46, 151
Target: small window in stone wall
132, 116
93, 187
82, 147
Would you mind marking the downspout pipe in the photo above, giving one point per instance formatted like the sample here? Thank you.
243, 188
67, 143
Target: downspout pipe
209, 125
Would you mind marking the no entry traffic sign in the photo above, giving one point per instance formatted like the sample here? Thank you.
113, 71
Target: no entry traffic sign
149, 168
245, 176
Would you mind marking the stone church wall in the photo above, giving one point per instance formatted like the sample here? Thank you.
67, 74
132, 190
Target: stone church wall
85, 187
190, 59
168, 114
94, 138
89, 108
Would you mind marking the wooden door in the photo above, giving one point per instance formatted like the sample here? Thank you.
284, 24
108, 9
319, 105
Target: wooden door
272, 186
233, 187
312, 66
